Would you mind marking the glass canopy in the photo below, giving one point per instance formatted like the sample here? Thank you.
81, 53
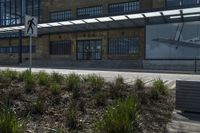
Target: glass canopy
150, 17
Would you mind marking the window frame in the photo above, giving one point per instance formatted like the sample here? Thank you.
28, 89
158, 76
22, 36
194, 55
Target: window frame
89, 15
121, 48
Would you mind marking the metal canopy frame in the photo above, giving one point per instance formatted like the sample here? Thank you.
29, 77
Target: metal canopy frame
118, 21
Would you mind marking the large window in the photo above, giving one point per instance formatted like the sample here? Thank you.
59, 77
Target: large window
12, 12
174, 3
15, 49
123, 46
60, 47
89, 12
124, 7
61, 15
89, 49
32, 7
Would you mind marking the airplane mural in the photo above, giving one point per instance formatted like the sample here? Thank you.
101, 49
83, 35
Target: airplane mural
178, 41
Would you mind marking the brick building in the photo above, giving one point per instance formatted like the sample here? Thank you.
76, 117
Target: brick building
87, 30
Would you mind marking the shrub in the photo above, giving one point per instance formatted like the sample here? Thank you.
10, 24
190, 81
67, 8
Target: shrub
22, 75
158, 88
94, 81
8, 75
121, 117
9, 122
59, 130
43, 78
30, 81
139, 84
119, 80
71, 117
100, 98
56, 77
55, 88
117, 87
73, 81
38, 107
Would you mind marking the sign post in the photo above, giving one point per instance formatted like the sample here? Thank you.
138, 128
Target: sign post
31, 31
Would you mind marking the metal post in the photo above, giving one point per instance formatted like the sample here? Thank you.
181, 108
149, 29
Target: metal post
20, 46
195, 67
30, 52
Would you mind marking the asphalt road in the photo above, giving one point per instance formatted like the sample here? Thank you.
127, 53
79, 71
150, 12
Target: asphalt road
147, 77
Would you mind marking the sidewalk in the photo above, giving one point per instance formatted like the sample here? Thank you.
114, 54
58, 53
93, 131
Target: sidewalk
184, 123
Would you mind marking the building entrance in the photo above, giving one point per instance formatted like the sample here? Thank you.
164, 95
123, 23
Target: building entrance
89, 49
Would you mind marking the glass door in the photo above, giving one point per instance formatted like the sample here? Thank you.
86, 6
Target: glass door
89, 50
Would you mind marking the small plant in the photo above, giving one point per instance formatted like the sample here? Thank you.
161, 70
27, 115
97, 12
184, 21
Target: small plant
59, 130
8, 75
139, 84
55, 88
38, 107
30, 81
56, 77
117, 87
100, 98
73, 81
71, 117
43, 78
22, 75
119, 80
9, 122
158, 88
121, 117
96, 82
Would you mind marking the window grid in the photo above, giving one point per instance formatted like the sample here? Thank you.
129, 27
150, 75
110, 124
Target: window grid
89, 12
61, 15
60, 47
124, 7
174, 3
123, 46
89, 49
15, 49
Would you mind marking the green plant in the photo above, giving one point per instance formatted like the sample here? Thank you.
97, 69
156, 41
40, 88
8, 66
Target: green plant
9, 122
59, 130
38, 106
55, 88
30, 81
100, 98
158, 88
121, 117
73, 81
117, 87
96, 82
71, 117
139, 84
43, 78
8, 75
22, 75
56, 77
119, 80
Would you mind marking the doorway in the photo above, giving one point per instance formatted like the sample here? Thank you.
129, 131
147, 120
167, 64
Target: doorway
89, 49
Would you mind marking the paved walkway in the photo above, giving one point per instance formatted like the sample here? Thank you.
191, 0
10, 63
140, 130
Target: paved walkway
184, 123
148, 77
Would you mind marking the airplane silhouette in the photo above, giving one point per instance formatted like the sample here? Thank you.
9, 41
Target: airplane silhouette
176, 41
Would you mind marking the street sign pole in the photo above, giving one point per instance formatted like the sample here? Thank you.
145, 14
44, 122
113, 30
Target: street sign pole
30, 54
31, 31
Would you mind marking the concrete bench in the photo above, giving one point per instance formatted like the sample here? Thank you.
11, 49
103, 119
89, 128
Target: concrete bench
188, 96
